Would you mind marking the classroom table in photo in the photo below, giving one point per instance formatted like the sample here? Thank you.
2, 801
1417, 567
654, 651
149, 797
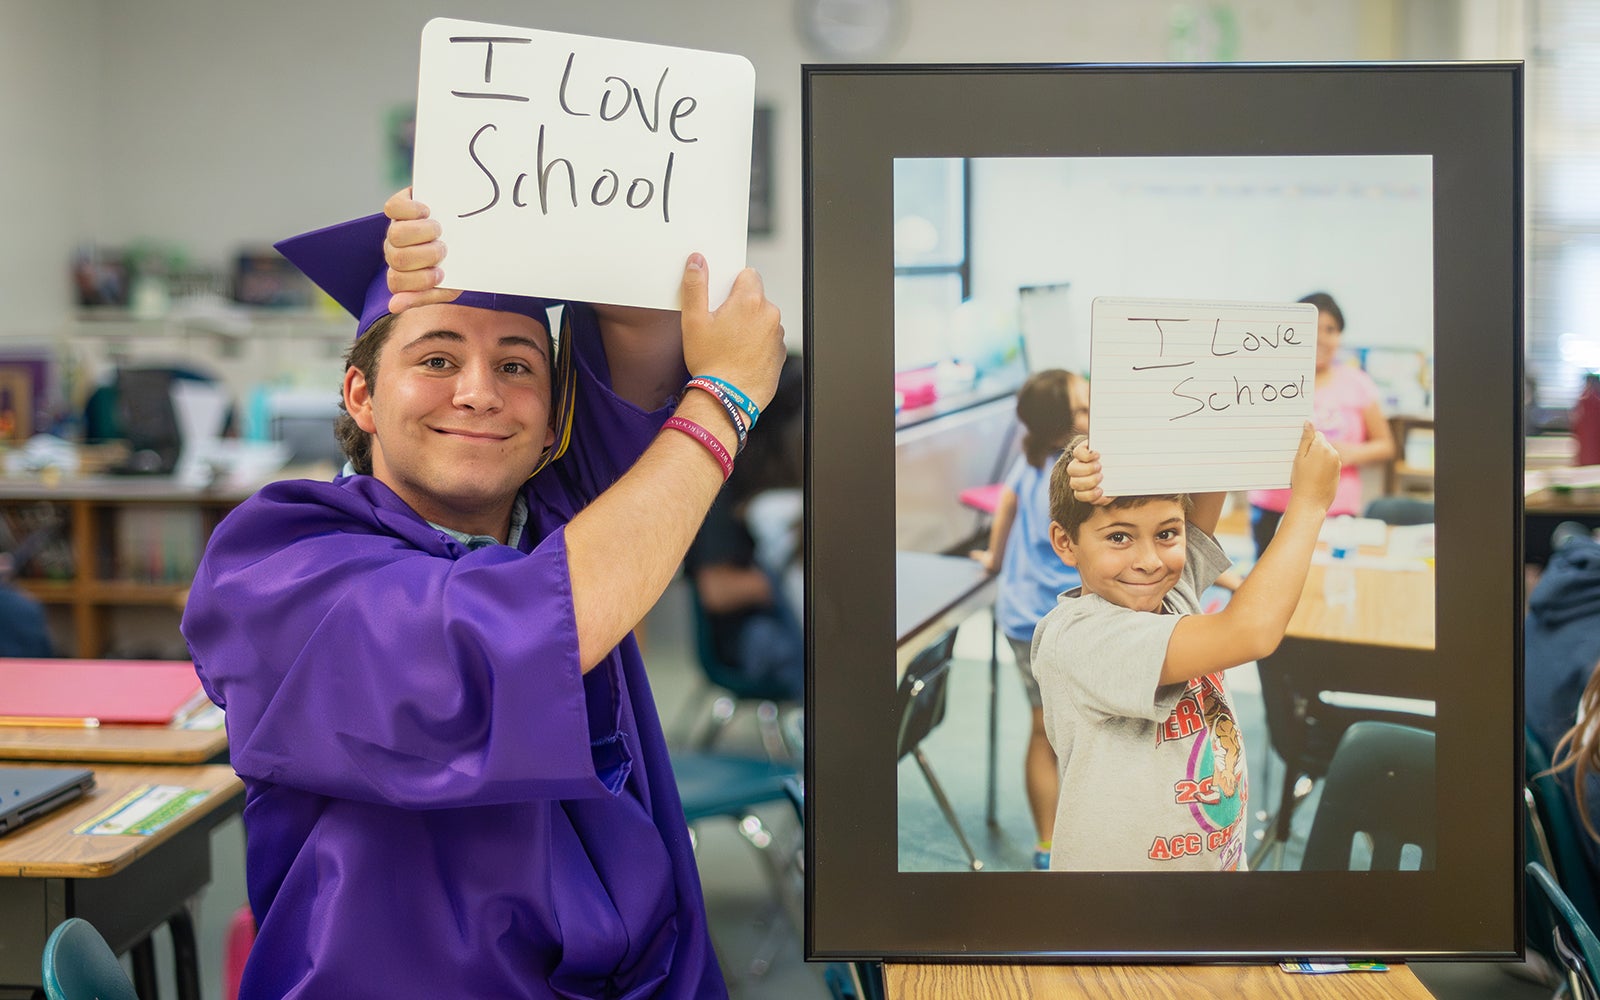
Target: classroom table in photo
126, 885
1394, 602
933, 594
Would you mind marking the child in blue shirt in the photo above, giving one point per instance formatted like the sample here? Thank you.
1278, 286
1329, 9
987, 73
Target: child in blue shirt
1053, 407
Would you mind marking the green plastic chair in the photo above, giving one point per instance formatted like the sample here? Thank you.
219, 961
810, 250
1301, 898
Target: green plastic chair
79, 965
1552, 836
1576, 947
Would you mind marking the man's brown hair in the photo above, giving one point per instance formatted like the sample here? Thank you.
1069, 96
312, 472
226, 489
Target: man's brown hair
363, 356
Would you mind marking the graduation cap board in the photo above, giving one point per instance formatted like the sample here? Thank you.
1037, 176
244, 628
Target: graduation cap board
582, 168
1198, 396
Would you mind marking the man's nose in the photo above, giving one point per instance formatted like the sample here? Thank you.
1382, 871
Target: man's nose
477, 388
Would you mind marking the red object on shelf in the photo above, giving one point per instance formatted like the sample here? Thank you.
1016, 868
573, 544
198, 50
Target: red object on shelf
916, 387
982, 498
112, 691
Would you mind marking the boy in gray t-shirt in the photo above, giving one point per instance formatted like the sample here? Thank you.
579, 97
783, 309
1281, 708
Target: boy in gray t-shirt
1151, 760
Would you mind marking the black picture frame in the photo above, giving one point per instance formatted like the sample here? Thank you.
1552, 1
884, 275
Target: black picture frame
857, 120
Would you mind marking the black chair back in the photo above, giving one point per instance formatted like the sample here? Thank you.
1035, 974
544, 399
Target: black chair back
922, 693
1379, 788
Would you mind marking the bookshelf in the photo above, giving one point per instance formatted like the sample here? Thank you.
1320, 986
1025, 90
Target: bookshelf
102, 545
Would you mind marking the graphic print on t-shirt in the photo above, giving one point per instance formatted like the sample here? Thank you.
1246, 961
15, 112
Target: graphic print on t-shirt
1212, 785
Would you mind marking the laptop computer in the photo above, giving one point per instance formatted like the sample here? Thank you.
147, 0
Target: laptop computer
26, 793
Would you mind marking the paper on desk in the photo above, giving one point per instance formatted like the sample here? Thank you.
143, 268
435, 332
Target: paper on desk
1391, 563
144, 811
1413, 541
1321, 967
1355, 531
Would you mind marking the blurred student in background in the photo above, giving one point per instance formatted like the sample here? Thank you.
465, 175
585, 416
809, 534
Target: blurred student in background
1561, 642
749, 546
1053, 407
1345, 409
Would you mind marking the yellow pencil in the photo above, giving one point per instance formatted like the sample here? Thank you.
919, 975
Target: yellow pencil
60, 722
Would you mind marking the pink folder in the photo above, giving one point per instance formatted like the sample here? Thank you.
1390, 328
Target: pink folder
112, 691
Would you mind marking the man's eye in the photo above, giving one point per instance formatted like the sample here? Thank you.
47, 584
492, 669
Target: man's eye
437, 364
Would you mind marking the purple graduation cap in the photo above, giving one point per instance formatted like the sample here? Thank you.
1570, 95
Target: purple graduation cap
346, 261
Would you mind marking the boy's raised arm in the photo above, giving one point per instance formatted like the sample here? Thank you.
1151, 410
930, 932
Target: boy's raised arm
1253, 623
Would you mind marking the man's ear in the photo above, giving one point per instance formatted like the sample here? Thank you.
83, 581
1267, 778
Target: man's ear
1063, 544
358, 399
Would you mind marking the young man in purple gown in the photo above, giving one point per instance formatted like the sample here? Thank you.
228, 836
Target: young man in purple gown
456, 783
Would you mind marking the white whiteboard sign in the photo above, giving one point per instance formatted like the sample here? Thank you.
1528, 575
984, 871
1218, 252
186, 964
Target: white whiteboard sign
1190, 396
582, 168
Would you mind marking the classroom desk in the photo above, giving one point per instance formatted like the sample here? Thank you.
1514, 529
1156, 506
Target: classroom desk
933, 594
1138, 982
1394, 607
126, 886
115, 744
1544, 509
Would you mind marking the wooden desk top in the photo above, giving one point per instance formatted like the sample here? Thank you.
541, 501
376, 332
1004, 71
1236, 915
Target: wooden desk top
113, 744
47, 848
1143, 982
1395, 603
1552, 502
1393, 608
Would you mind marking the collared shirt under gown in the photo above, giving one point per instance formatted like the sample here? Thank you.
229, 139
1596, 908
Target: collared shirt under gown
439, 802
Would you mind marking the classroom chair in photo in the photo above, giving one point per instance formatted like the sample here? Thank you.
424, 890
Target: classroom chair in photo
1305, 723
725, 690
1575, 945
920, 708
1375, 812
78, 964
727, 786
1552, 833
1401, 510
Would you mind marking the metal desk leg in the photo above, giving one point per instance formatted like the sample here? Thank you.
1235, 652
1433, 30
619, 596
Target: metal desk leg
994, 710
186, 965
143, 957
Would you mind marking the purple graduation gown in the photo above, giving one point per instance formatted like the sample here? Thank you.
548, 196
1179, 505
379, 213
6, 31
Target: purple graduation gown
438, 801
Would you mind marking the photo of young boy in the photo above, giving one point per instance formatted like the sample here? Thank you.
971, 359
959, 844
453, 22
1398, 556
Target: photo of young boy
1151, 759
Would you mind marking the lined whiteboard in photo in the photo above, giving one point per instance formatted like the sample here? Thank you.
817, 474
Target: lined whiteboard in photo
1195, 396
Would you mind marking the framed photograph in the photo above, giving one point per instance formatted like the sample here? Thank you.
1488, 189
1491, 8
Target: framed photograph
953, 210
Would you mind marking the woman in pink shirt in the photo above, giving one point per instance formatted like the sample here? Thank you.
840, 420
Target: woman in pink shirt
1345, 409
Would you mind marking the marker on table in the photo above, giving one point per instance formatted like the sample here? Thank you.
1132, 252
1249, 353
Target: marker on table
58, 721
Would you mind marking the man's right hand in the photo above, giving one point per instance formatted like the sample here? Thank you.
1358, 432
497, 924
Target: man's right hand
741, 342
414, 252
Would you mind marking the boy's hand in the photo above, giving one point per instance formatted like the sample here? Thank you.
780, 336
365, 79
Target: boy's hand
413, 251
1315, 476
1084, 476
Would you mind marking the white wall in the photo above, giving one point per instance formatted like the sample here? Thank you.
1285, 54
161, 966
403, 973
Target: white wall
216, 123
50, 168
1267, 229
